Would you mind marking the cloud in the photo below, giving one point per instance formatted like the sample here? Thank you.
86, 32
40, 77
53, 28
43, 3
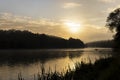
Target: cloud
108, 1
10, 21
95, 33
89, 32
42, 25
71, 5
109, 10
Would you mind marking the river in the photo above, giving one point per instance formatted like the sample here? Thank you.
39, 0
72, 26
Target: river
29, 62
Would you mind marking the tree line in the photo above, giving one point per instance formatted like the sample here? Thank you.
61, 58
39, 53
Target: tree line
16, 39
102, 43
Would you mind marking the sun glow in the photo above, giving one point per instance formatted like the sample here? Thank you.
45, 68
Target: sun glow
73, 27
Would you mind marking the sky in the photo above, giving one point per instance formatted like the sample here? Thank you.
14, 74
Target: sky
82, 19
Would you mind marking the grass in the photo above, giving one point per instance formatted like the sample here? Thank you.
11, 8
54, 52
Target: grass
104, 69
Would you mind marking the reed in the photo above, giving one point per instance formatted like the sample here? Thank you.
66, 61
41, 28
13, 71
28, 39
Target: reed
104, 69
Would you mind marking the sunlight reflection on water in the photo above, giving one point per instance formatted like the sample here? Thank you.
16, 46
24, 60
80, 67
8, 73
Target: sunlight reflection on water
28, 62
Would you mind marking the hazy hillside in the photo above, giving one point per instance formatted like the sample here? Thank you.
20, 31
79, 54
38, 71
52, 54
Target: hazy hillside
104, 44
15, 39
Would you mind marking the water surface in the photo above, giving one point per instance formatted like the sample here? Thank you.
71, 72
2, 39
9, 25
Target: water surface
29, 62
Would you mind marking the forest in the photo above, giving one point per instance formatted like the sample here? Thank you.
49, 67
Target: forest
16, 39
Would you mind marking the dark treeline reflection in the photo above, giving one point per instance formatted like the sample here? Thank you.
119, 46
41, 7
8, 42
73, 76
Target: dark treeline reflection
11, 57
16, 39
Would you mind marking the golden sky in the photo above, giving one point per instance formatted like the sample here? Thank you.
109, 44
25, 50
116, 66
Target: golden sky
82, 19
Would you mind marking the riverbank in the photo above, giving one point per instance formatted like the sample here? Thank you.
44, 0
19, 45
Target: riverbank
104, 69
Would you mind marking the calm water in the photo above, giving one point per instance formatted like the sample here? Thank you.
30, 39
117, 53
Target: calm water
28, 62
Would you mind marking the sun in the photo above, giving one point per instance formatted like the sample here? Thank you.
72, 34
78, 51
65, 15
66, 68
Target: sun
73, 27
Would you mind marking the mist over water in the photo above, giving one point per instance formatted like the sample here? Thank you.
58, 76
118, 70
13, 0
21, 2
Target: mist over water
29, 62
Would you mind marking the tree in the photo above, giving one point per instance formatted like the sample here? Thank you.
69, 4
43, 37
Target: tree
16, 39
113, 22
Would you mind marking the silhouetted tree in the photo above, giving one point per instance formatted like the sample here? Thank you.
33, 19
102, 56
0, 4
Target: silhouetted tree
113, 22
16, 39
74, 43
